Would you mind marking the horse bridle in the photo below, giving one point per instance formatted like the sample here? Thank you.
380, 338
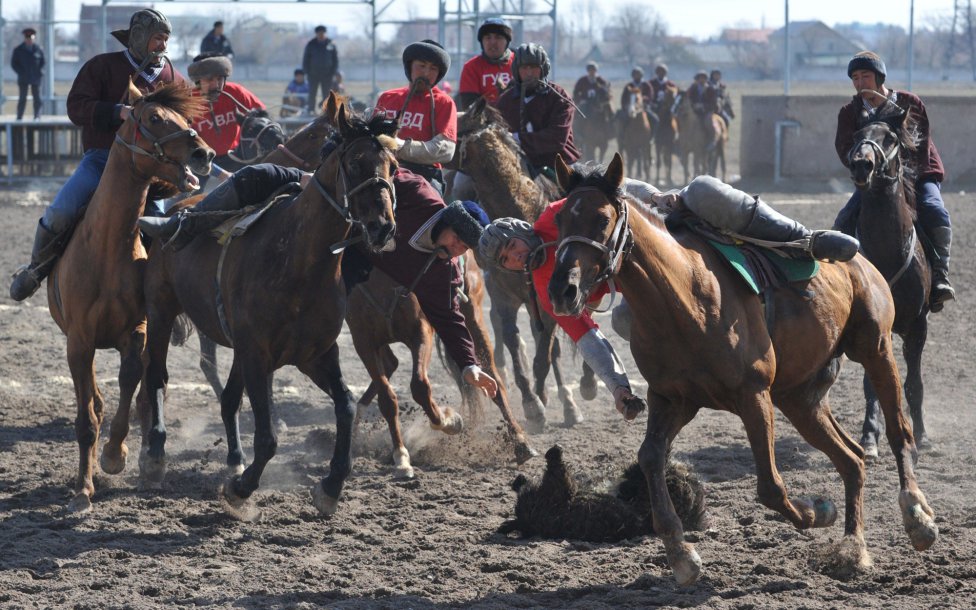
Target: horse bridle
617, 247
885, 157
159, 154
259, 153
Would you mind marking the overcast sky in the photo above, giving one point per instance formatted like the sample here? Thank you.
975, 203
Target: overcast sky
698, 18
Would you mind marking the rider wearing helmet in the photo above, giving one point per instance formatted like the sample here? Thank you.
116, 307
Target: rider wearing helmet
591, 87
487, 74
94, 104
867, 73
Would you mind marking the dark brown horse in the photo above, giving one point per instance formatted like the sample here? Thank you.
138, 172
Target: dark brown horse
95, 290
636, 132
710, 342
275, 295
701, 138
378, 315
665, 135
593, 126
886, 229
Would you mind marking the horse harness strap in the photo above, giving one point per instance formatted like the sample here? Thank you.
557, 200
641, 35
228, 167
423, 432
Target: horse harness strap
908, 259
302, 163
157, 143
620, 242
885, 158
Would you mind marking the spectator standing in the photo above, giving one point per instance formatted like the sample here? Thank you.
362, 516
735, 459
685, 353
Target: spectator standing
320, 62
28, 63
215, 41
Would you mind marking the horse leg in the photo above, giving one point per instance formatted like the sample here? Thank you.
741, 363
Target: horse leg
871, 428
114, 452
664, 421
230, 407
913, 342
81, 362
208, 363
389, 366
443, 419
326, 373
571, 412
161, 312
497, 328
532, 405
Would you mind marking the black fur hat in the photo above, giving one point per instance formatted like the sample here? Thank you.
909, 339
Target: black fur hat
466, 218
209, 65
427, 50
495, 25
866, 60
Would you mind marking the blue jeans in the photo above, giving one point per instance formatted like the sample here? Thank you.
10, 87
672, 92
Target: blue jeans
78, 190
928, 201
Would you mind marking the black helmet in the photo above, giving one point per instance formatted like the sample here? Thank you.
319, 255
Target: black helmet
531, 54
495, 25
143, 25
427, 50
866, 60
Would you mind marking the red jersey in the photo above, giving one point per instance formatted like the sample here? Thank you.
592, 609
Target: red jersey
545, 228
485, 78
217, 126
416, 123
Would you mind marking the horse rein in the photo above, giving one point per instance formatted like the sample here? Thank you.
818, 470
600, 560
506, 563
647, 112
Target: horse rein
157, 143
259, 153
885, 158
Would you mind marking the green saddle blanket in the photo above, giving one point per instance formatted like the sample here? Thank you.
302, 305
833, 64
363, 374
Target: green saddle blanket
787, 270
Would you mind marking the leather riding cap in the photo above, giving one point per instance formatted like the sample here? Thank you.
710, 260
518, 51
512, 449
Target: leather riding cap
143, 25
497, 234
531, 54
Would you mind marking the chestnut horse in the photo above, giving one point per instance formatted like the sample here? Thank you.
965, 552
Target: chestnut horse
278, 300
379, 314
95, 289
886, 229
665, 135
710, 342
694, 140
636, 132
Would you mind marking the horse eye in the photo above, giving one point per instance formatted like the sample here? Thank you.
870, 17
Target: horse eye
155, 118
604, 223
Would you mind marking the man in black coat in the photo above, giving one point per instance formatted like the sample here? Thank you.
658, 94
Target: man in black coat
28, 63
216, 42
320, 62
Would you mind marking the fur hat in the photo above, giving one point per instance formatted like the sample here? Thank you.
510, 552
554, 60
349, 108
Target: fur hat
466, 218
495, 25
427, 50
866, 60
531, 54
143, 25
209, 65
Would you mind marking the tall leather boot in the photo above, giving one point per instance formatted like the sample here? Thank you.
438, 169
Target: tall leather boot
178, 230
942, 291
48, 246
768, 224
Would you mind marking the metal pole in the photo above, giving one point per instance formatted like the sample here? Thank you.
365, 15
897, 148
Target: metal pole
47, 17
555, 37
3, 62
911, 43
786, 46
104, 26
375, 93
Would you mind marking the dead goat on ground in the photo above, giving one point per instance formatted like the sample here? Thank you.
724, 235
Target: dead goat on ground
556, 507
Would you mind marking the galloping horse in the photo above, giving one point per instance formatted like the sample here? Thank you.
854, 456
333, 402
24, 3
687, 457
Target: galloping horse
593, 126
666, 134
95, 290
694, 139
380, 299
635, 136
888, 238
708, 341
260, 135
277, 300
495, 162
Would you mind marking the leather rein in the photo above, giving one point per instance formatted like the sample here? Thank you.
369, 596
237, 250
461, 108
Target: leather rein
158, 153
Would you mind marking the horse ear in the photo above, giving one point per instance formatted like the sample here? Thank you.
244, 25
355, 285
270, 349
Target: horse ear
563, 173
479, 105
133, 95
239, 117
330, 108
341, 119
615, 171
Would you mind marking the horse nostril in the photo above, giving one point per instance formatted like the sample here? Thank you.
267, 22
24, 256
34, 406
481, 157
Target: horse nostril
570, 293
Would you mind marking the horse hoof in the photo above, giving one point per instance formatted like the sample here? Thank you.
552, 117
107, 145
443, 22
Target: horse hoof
280, 426
823, 509
572, 417
401, 464
235, 506
588, 388
326, 504
685, 564
924, 443
918, 520
113, 462
451, 422
870, 450
524, 452
80, 504
151, 471
234, 470
843, 560
403, 472
534, 409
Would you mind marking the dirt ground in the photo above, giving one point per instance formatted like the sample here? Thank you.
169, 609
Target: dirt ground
431, 541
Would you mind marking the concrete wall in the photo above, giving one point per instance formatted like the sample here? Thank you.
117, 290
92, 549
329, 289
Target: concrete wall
808, 150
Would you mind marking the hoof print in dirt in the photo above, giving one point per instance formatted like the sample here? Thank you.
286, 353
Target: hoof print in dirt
559, 507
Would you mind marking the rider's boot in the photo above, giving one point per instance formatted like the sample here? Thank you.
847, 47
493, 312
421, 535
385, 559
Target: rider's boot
942, 291
48, 246
768, 224
177, 231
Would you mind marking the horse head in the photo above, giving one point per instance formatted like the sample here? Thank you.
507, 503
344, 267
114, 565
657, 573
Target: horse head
875, 155
593, 233
478, 116
158, 134
358, 167
260, 135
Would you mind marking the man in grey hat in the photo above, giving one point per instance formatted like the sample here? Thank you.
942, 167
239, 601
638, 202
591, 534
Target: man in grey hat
28, 62
95, 104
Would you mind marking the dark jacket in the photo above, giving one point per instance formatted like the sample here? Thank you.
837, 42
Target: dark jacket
321, 58
436, 290
927, 162
28, 63
550, 113
645, 90
96, 95
212, 43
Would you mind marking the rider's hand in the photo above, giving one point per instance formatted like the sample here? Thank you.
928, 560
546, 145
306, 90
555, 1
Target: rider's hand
667, 200
478, 378
124, 112
627, 404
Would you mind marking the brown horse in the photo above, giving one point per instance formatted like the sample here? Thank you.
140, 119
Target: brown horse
636, 132
593, 126
95, 290
710, 342
275, 295
666, 134
886, 230
705, 146
495, 162
379, 314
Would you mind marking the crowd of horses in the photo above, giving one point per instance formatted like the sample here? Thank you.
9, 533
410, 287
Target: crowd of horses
274, 295
697, 140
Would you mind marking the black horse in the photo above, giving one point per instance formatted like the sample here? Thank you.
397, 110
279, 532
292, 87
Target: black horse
260, 135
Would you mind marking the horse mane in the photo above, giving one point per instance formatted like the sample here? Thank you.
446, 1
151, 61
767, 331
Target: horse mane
179, 98
592, 175
907, 132
379, 127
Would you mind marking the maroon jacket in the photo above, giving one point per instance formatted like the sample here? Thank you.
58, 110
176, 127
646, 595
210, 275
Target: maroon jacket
928, 164
436, 291
98, 90
645, 90
551, 114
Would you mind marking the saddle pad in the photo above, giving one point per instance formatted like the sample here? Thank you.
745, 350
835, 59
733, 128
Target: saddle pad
238, 224
788, 269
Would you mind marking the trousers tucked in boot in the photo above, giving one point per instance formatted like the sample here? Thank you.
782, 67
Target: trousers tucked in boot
178, 230
942, 291
48, 246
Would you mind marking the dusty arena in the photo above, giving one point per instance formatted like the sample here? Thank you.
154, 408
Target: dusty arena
432, 541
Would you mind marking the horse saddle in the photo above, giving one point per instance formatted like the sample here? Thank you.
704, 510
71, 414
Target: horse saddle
239, 223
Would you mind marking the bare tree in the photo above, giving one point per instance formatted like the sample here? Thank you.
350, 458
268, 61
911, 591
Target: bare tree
640, 32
